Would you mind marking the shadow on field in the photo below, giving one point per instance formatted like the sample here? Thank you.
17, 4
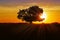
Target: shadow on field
24, 31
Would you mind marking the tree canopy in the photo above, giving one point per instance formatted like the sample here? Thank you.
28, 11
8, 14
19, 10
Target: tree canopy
30, 14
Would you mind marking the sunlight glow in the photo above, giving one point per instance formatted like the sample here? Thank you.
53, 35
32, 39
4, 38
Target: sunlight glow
43, 15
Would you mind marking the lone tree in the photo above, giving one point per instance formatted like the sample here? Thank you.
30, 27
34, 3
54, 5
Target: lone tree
30, 14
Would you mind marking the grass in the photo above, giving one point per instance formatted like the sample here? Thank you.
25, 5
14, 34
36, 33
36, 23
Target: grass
24, 31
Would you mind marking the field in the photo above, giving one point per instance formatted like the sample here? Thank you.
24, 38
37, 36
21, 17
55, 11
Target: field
24, 31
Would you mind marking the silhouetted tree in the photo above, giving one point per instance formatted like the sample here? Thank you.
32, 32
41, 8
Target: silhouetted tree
30, 14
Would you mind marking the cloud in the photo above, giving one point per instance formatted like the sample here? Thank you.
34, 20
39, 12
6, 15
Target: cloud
26, 2
23, 1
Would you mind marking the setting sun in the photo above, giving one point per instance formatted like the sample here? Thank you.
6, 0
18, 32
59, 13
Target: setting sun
44, 15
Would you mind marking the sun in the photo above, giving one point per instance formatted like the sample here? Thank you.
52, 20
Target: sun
43, 15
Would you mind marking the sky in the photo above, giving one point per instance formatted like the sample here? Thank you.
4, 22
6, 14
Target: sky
9, 9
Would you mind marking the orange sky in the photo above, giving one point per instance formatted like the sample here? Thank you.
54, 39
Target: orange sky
9, 14
8, 11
